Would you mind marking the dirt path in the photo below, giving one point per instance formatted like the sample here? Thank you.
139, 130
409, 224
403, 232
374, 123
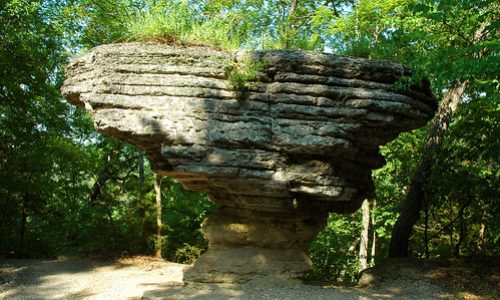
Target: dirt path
76, 278
84, 279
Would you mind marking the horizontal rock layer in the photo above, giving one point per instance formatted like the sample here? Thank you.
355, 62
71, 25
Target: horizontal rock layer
306, 129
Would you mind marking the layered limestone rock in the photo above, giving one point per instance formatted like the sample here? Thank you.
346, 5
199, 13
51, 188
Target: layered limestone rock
276, 153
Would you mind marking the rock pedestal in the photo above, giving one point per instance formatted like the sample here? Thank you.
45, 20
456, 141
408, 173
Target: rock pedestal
256, 245
276, 152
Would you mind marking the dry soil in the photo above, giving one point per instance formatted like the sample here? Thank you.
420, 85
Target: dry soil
146, 278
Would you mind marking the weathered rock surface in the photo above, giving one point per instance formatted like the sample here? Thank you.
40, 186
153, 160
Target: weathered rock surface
299, 141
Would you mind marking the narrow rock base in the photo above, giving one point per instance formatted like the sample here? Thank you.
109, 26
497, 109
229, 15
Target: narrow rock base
260, 266
258, 247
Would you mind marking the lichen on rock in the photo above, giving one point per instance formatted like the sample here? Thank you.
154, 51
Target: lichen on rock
276, 155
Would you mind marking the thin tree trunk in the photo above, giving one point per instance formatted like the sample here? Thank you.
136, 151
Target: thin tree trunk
142, 211
291, 12
22, 232
374, 233
451, 222
113, 229
354, 246
140, 162
293, 7
365, 227
426, 231
159, 225
482, 232
414, 199
462, 230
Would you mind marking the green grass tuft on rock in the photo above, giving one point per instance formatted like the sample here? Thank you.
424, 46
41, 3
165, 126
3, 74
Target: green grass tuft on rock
178, 23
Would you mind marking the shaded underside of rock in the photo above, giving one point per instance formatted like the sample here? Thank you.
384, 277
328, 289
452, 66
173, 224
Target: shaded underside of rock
305, 132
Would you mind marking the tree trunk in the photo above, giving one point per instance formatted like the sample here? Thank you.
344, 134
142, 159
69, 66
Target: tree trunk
414, 199
140, 162
22, 232
452, 223
114, 231
365, 227
354, 246
374, 233
426, 231
462, 230
288, 25
159, 225
482, 232
105, 174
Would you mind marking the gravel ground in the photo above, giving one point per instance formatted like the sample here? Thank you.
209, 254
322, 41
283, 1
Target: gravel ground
78, 278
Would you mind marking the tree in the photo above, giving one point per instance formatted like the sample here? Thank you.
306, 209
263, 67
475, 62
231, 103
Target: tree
465, 181
451, 41
159, 226
364, 239
410, 213
451, 100
34, 131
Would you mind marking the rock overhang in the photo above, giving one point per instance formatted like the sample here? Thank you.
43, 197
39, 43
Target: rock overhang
307, 127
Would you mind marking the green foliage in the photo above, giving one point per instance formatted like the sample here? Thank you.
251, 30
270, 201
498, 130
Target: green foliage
392, 181
174, 22
95, 22
51, 157
240, 75
36, 147
255, 24
442, 40
218, 32
466, 174
183, 213
188, 254
334, 252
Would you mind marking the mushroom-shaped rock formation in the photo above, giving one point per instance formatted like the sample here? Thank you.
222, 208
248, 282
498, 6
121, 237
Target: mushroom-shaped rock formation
275, 153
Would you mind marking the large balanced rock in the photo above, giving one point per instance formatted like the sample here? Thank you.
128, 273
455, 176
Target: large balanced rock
276, 153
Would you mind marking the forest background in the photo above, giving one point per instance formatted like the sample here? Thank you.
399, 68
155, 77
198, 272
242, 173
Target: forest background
66, 189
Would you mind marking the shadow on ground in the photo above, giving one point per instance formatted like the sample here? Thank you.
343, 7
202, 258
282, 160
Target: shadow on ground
83, 278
